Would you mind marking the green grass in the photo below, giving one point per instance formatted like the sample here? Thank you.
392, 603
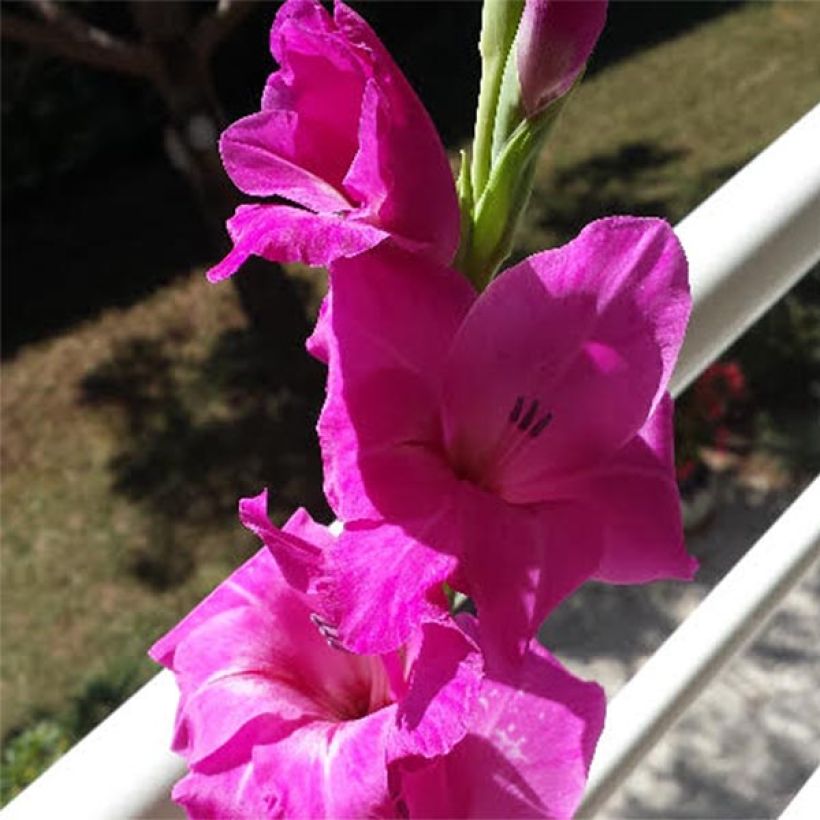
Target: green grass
127, 441
657, 133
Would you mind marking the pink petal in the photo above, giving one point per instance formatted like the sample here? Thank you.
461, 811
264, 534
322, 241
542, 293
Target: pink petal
328, 769
260, 157
390, 318
421, 202
562, 358
251, 583
280, 233
527, 753
555, 40
636, 498
298, 548
320, 81
231, 680
520, 562
227, 793
383, 581
445, 680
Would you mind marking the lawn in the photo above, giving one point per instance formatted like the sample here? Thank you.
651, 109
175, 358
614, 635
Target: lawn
127, 440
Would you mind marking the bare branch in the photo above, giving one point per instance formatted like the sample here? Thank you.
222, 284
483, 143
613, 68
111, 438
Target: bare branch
66, 35
216, 26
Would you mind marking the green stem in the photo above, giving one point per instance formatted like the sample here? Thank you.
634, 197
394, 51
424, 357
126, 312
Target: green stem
499, 23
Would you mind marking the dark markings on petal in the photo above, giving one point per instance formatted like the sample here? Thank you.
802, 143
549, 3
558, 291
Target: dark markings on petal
528, 418
540, 426
515, 413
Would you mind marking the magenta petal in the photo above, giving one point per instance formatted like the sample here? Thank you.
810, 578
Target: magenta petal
280, 233
636, 498
413, 162
328, 769
251, 583
260, 158
298, 548
383, 580
230, 793
527, 753
580, 341
320, 82
521, 562
444, 684
230, 679
388, 322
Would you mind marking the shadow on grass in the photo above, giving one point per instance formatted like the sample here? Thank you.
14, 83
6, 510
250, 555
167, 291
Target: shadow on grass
196, 435
633, 179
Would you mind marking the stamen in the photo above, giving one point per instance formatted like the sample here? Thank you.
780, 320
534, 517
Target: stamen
527, 420
329, 632
540, 426
524, 424
515, 413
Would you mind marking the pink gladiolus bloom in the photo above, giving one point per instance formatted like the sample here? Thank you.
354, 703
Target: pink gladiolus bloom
274, 721
343, 136
514, 443
555, 40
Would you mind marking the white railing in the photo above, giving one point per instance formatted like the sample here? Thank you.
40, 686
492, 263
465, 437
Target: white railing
747, 244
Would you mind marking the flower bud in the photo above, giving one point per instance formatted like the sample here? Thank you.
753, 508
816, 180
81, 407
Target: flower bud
555, 40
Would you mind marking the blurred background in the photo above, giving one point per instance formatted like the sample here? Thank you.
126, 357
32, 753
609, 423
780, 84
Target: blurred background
139, 402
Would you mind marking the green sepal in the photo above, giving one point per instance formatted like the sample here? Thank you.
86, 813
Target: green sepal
464, 189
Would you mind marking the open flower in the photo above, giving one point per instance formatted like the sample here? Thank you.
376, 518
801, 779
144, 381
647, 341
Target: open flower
275, 721
342, 136
514, 443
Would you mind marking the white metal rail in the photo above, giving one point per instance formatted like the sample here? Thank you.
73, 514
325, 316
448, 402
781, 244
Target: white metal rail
682, 668
747, 244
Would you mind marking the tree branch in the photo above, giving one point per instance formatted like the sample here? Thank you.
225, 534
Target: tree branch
217, 25
66, 35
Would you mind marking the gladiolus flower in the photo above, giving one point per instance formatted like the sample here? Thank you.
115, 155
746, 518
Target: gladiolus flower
342, 135
514, 443
555, 40
274, 720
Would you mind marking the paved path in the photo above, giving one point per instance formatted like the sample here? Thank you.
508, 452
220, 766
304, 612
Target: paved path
751, 740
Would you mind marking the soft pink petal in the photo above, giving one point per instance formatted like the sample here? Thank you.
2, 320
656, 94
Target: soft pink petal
328, 769
555, 40
281, 233
298, 548
390, 318
221, 794
520, 562
321, 80
319, 342
385, 583
446, 676
635, 496
562, 358
527, 753
421, 202
254, 581
230, 677
259, 155
365, 180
